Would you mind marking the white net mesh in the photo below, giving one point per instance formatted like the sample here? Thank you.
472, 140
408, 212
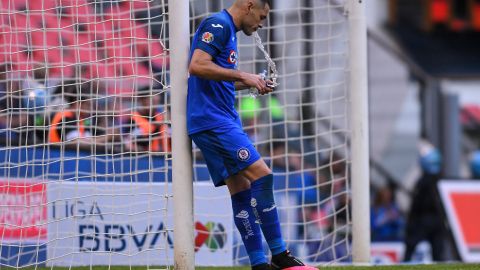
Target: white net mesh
301, 129
84, 130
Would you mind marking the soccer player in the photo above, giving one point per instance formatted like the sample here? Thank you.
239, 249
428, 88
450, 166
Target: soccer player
215, 127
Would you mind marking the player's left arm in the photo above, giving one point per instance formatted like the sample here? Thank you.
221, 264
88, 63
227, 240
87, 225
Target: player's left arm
210, 41
202, 65
242, 86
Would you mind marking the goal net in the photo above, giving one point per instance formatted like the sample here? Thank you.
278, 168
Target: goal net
85, 134
301, 129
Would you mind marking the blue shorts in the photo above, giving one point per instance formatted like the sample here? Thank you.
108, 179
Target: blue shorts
227, 150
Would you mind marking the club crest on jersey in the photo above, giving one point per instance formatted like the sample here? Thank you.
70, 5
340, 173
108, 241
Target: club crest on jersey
207, 37
243, 154
232, 58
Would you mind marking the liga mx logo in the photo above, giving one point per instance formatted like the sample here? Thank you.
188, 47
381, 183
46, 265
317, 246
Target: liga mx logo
243, 154
207, 37
212, 235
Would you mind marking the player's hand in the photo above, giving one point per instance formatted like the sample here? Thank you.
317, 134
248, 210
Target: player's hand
253, 80
271, 84
268, 87
256, 81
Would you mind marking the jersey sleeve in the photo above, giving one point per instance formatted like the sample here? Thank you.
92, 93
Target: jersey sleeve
212, 36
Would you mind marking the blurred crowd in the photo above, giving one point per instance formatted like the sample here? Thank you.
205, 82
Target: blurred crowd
312, 188
98, 81
424, 221
35, 111
312, 191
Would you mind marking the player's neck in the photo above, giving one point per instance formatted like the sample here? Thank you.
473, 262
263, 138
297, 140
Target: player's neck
235, 13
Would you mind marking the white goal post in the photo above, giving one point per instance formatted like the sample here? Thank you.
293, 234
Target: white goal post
360, 132
182, 156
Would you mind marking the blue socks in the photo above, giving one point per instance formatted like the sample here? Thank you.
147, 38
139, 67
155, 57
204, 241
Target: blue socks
265, 209
249, 229
255, 204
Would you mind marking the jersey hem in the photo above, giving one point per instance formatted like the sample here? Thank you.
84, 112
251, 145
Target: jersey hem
197, 130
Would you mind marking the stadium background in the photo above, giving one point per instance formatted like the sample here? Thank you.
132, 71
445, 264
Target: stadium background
414, 90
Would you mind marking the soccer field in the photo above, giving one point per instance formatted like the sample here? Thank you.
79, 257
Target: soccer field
377, 267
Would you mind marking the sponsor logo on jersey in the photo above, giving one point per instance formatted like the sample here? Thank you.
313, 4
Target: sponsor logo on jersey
232, 58
269, 209
257, 217
243, 214
217, 25
243, 154
207, 37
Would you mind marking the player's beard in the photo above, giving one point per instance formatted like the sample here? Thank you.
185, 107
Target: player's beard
249, 32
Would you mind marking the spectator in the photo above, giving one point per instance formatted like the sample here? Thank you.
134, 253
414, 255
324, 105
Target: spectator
333, 220
292, 176
332, 175
386, 220
37, 90
40, 78
76, 123
329, 222
107, 110
12, 115
425, 220
475, 165
146, 129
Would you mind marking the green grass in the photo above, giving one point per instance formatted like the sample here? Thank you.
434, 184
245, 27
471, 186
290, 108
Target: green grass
377, 267
410, 267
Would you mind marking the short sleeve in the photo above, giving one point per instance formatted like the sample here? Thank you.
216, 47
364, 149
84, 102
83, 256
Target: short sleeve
212, 36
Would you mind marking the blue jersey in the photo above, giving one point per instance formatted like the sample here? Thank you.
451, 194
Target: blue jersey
210, 103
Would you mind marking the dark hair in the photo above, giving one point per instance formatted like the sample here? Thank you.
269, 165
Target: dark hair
74, 90
269, 2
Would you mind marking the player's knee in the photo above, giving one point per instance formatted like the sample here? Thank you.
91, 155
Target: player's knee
237, 184
264, 183
262, 166
257, 170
